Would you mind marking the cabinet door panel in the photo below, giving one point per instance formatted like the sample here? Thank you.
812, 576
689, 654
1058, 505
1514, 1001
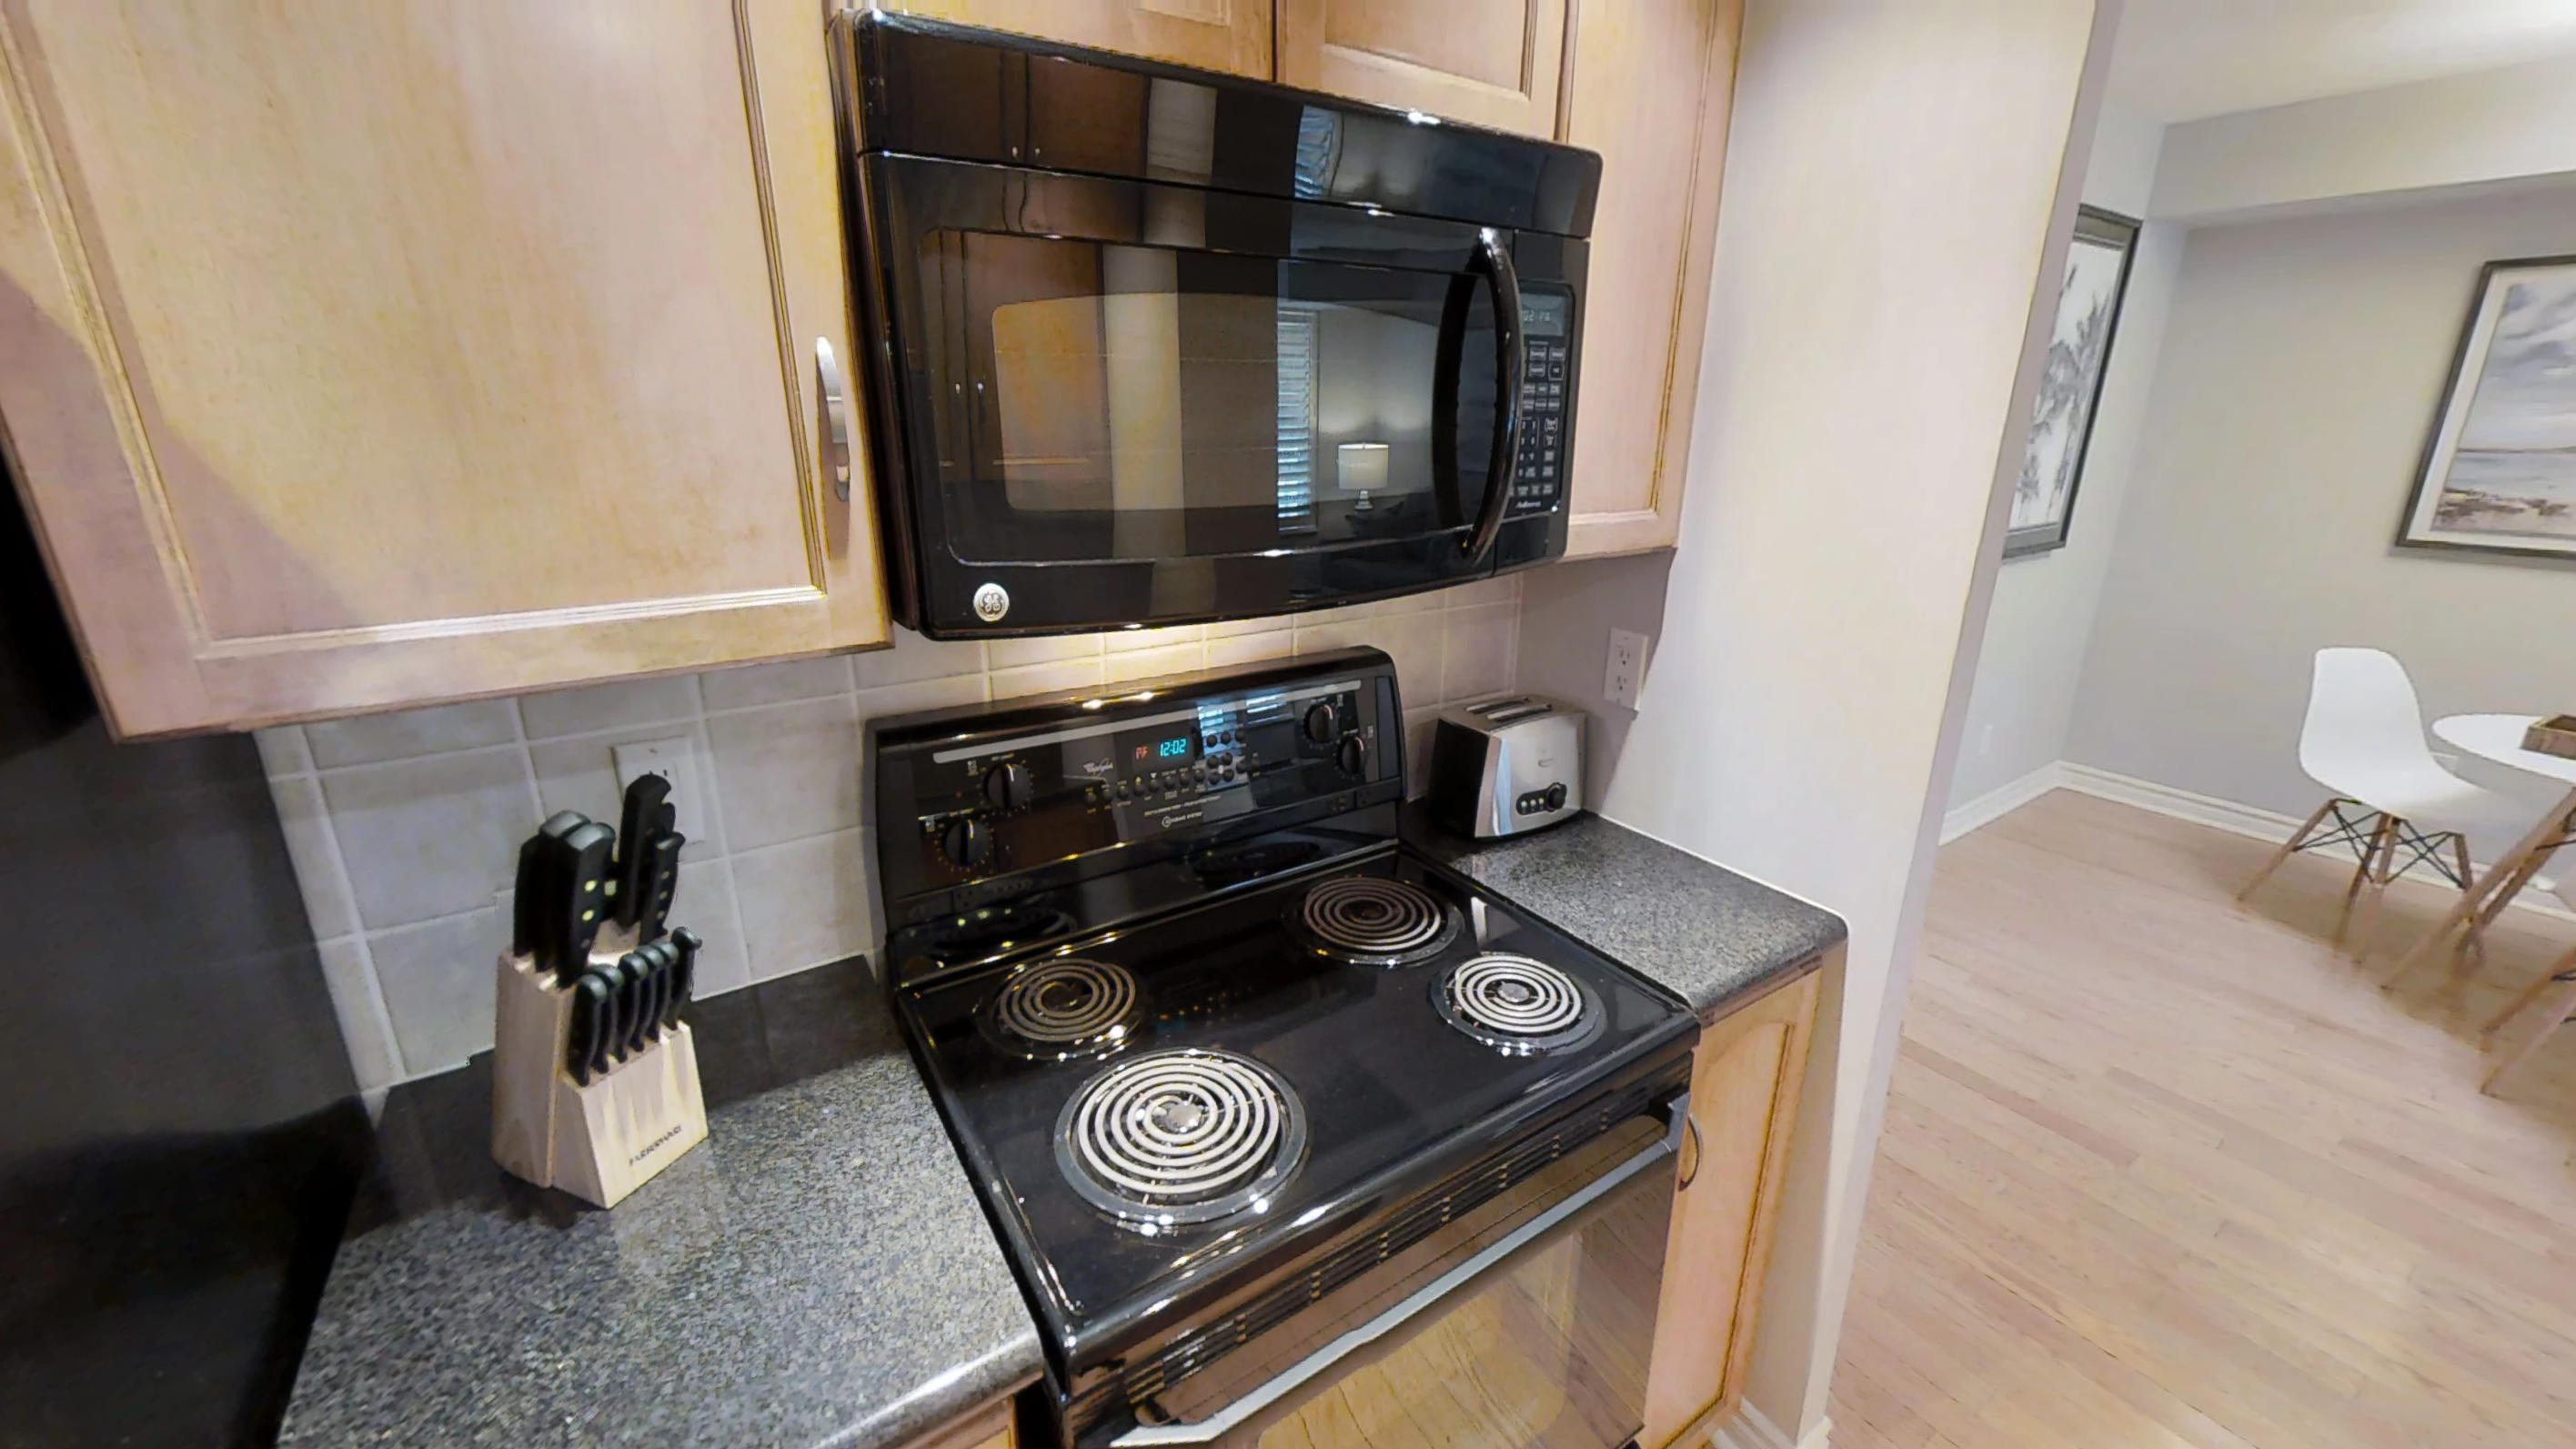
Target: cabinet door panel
1493, 62
1744, 1109
446, 348
1223, 35
1651, 84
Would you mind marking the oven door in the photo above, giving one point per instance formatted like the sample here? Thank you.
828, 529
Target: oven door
1526, 1322
1114, 402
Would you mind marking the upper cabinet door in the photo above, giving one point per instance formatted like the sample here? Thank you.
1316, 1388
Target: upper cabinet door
1652, 80
1492, 62
1224, 35
355, 355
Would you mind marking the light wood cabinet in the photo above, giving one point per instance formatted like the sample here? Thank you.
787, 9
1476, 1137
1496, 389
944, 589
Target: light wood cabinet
1652, 81
989, 1427
1744, 1110
1226, 35
1495, 63
359, 355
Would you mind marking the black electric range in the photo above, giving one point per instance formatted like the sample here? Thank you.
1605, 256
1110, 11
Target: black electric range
1208, 1037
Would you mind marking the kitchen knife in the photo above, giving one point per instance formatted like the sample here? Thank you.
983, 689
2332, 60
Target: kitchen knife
662, 884
531, 888
582, 898
599, 986
646, 795
657, 981
684, 974
590, 1006
630, 974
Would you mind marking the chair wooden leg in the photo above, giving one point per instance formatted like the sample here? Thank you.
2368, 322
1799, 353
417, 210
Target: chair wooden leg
2290, 846
2378, 866
2475, 942
2521, 1003
2381, 835
2551, 1009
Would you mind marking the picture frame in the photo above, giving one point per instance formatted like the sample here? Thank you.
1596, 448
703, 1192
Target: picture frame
2090, 294
2498, 472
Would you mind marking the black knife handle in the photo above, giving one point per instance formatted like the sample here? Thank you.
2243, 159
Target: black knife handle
599, 986
684, 975
584, 898
644, 796
634, 1000
662, 885
590, 1002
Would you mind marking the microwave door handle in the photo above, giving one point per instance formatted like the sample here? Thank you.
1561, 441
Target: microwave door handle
1511, 368
1352, 1349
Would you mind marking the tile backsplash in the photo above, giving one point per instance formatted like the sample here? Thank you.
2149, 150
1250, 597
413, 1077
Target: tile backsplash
404, 827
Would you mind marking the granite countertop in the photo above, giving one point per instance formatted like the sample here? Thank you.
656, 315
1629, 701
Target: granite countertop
819, 1273
1714, 937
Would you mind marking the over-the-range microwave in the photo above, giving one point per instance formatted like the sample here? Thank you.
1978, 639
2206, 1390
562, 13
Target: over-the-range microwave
1152, 346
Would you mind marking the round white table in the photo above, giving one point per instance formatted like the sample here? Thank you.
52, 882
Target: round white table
2498, 737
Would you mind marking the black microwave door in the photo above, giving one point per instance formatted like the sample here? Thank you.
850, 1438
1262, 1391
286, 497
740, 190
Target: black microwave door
1125, 402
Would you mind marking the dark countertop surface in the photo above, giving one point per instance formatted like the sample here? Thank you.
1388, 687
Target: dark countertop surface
817, 1275
1714, 937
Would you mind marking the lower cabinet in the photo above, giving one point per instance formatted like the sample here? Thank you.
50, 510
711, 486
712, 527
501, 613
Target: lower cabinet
1744, 1110
989, 1427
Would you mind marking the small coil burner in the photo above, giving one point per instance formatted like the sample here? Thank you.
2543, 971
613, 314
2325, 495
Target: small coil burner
982, 934
1371, 921
1180, 1137
1063, 1007
1518, 1006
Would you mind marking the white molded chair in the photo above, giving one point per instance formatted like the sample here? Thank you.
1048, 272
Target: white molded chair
2551, 1000
2389, 799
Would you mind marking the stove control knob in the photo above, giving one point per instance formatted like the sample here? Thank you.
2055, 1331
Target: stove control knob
1009, 787
1322, 724
966, 843
1352, 756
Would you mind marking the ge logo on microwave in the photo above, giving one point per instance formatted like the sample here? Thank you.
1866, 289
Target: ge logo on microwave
992, 601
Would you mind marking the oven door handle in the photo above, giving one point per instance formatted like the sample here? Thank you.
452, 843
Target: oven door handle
1511, 369
1675, 1111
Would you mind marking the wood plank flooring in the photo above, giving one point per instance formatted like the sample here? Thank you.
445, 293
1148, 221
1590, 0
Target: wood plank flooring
2163, 1170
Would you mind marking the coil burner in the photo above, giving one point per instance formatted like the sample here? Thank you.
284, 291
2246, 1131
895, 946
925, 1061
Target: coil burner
1372, 921
1065, 1006
1181, 1137
1516, 1005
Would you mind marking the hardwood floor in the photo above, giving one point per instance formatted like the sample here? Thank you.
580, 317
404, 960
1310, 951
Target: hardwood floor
2164, 1170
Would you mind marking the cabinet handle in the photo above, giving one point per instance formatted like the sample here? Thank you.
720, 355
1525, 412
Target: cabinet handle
1690, 1174
836, 416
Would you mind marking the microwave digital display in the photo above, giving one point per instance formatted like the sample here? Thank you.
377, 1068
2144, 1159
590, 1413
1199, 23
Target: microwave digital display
1546, 315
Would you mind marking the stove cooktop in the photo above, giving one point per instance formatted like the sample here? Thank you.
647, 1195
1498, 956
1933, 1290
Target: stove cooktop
1153, 1111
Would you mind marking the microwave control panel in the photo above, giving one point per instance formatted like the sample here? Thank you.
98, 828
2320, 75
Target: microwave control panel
1538, 474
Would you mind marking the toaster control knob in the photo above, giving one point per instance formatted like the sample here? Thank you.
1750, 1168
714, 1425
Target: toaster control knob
1556, 797
967, 843
1322, 724
1353, 755
1008, 787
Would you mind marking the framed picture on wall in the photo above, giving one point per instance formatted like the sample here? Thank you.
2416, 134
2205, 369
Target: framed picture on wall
2079, 353
2499, 471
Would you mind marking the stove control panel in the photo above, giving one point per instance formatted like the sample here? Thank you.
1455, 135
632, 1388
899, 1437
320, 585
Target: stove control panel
969, 802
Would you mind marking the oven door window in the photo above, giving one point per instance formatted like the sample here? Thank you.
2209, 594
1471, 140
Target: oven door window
1116, 401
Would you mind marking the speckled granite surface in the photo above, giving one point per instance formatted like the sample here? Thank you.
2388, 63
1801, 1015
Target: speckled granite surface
1708, 933
818, 1274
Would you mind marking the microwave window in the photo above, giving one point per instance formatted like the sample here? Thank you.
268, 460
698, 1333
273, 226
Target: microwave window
1140, 402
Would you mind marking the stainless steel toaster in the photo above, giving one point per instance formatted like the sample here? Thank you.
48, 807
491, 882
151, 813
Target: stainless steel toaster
1506, 766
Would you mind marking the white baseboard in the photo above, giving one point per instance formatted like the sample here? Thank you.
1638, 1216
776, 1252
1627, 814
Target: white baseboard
1750, 1428
2000, 801
2237, 819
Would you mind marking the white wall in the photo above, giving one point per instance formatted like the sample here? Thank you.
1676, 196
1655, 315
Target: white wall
2301, 368
2023, 702
1893, 197
2491, 126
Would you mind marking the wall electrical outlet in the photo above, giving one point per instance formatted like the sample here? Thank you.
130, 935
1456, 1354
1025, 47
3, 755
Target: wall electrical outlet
674, 760
1626, 672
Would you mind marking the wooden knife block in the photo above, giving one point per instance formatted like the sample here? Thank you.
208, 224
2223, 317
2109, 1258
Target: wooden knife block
598, 1142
